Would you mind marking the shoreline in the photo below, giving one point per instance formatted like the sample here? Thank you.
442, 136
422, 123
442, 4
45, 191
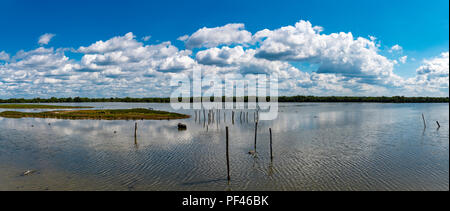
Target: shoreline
282, 99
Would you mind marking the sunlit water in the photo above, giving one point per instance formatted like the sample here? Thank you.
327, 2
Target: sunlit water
331, 146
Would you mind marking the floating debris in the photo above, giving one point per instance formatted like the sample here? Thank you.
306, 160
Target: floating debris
182, 126
28, 172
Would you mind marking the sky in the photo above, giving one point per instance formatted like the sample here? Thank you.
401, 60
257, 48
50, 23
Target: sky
133, 48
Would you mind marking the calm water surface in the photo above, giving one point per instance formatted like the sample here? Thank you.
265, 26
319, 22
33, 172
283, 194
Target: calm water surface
349, 146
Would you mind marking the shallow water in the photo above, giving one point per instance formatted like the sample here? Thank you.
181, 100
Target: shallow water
317, 146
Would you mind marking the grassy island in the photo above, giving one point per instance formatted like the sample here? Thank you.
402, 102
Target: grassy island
37, 106
120, 114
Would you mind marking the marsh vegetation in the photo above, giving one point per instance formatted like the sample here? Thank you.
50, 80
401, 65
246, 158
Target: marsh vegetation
118, 114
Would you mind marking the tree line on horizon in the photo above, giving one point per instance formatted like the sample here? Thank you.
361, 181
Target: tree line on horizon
383, 99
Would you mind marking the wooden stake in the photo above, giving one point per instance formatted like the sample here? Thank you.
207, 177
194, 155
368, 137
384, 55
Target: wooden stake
271, 155
256, 132
135, 133
439, 125
228, 156
209, 117
424, 123
232, 117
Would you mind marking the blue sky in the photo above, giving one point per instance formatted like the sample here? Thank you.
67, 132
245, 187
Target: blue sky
421, 28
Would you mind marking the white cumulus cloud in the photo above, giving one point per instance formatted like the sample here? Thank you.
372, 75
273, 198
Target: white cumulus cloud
396, 48
4, 56
211, 37
146, 38
45, 39
336, 53
403, 59
432, 76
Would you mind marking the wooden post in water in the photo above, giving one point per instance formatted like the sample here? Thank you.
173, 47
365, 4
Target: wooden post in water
135, 133
228, 157
439, 125
424, 123
256, 132
204, 118
232, 117
271, 154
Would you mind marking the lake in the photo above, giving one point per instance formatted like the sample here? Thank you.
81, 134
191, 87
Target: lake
316, 146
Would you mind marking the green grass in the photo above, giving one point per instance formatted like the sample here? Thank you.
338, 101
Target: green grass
121, 114
37, 106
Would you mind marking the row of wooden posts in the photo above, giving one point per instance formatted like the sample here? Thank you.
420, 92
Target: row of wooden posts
254, 152
210, 115
227, 145
213, 114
